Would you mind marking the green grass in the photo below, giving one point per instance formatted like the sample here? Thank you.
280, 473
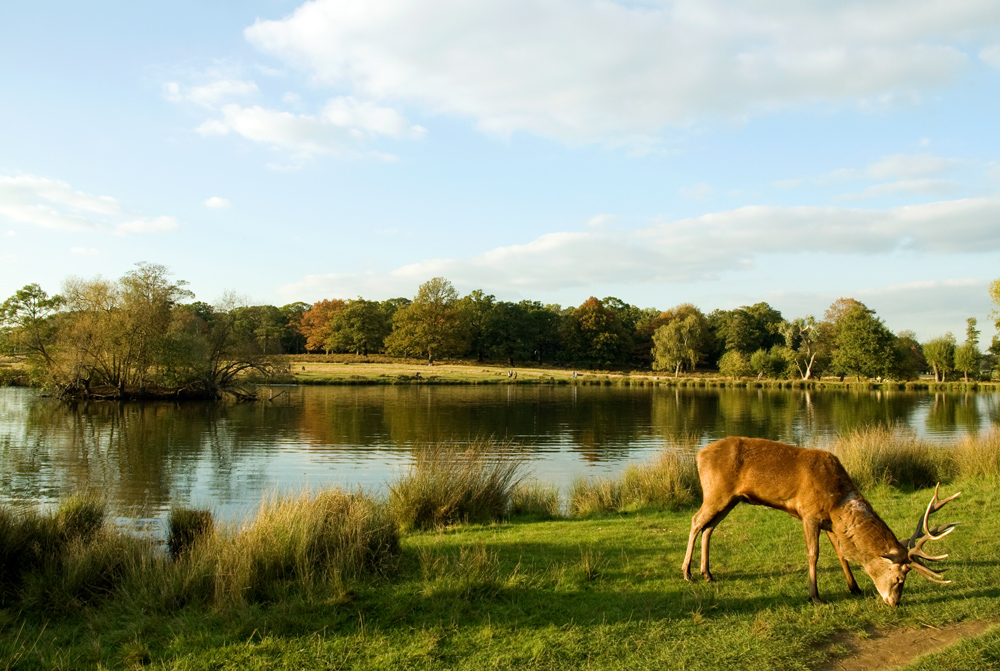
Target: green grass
324, 581
601, 593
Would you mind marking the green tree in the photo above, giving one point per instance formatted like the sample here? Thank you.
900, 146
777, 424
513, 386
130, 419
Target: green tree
909, 356
544, 326
809, 343
477, 312
509, 332
27, 322
431, 325
361, 327
592, 334
681, 339
865, 347
772, 364
940, 355
967, 356
292, 340
734, 364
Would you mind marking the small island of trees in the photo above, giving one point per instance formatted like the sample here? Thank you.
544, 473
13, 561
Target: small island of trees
144, 336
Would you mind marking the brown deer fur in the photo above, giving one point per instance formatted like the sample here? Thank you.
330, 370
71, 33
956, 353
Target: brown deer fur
813, 486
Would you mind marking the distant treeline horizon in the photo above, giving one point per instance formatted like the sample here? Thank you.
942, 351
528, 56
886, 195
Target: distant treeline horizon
145, 329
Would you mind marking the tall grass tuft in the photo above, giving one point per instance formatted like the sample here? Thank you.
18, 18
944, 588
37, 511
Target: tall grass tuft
978, 455
880, 455
187, 525
595, 496
668, 480
535, 500
62, 560
299, 543
450, 483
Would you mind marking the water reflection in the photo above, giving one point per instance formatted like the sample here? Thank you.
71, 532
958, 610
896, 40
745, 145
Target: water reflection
147, 457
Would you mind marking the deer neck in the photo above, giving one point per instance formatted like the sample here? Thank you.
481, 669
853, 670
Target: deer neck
861, 534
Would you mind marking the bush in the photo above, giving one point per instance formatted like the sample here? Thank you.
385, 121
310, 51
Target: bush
880, 455
450, 483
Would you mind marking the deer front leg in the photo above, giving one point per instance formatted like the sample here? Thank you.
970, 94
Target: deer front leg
811, 530
852, 584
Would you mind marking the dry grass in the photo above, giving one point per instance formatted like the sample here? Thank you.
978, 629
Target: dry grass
978, 455
301, 543
669, 480
880, 455
451, 482
536, 500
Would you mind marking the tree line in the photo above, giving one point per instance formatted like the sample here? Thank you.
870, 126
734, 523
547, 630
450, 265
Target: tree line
145, 331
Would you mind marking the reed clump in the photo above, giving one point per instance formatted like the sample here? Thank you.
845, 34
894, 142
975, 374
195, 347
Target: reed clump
667, 480
185, 527
449, 483
294, 544
978, 455
60, 560
536, 500
891, 455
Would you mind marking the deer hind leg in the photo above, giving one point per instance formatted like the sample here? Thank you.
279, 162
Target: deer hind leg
703, 522
852, 584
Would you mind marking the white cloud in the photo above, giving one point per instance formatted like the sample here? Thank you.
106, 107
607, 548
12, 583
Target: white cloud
991, 55
908, 166
342, 127
212, 94
912, 173
689, 250
217, 202
52, 204
699, 191
84, 251
612, 71
933, 187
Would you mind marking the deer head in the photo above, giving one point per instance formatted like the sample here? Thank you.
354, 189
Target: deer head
889, 571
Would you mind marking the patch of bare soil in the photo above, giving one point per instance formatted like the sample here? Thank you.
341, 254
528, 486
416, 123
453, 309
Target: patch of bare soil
894, 648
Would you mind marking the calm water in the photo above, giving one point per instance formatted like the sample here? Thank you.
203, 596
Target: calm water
151, 456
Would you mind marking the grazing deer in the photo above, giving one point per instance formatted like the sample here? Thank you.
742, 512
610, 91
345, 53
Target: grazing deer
813, 486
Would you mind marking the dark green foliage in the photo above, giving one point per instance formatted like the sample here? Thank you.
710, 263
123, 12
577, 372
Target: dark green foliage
865, 347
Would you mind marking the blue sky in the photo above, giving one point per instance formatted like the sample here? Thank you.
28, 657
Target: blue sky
719, 153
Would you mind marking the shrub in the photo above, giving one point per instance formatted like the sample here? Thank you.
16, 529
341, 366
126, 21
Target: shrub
880, 455
450, 483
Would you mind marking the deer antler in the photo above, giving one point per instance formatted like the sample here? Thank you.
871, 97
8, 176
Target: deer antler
923, 534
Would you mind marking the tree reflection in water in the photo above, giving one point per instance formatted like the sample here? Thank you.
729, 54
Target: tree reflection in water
147, 457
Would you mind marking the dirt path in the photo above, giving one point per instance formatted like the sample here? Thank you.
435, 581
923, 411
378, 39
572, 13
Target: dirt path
892, 649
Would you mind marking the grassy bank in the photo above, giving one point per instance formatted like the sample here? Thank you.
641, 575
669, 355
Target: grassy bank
349, 369
319, 581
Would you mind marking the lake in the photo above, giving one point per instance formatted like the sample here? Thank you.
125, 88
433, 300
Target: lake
147, 457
